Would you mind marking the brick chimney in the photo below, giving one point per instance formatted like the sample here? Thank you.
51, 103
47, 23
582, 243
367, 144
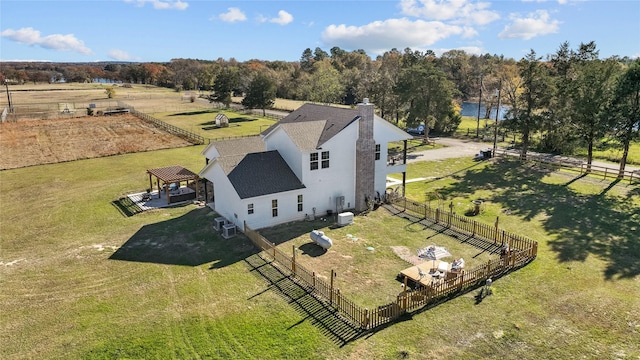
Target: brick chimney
365, 156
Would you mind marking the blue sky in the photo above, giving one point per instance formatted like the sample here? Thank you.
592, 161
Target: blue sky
160, 30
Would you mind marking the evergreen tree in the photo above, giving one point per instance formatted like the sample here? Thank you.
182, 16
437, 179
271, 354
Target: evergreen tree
261, 93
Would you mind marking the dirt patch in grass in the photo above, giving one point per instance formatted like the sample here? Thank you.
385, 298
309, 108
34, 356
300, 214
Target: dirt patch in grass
37, 142
405, 254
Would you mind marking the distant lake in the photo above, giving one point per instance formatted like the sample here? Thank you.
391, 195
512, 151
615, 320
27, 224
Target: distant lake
471, 109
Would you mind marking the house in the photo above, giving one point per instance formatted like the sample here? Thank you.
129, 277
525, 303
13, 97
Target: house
317, 161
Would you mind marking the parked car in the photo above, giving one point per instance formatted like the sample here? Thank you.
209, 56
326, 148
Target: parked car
416, 131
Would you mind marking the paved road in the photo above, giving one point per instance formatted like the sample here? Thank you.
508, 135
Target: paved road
462, 147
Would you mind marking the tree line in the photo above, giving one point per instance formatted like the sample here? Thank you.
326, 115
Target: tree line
567, 100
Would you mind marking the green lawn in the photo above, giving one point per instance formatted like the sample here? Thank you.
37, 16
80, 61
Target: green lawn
202, 122
80, 280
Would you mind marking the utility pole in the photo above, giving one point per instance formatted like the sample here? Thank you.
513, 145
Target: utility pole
495, 130
6, 84
479, 102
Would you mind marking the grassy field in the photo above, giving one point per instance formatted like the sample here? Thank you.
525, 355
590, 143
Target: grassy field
607, 150
203, 122
81, 280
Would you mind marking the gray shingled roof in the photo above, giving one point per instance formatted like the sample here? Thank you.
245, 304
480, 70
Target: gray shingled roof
336, 119
263, 173
240, 146
305, 135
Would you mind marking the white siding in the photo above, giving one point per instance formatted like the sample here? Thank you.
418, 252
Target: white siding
384, 133
324, 185
279, 140
262, 211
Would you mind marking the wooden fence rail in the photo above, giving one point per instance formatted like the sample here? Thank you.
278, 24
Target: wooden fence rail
578, 166
187, 135
521, 252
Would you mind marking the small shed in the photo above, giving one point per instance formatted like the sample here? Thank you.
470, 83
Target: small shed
172, 178
222, 120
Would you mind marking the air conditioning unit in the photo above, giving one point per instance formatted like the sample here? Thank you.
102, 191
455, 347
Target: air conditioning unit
345, 218
228, 231
218, 223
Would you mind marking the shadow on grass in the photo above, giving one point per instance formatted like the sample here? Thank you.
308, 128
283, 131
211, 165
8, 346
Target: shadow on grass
318, 313
312, 249
237, 119
126, 207
282, 233
583, 225
185, 240
189, 113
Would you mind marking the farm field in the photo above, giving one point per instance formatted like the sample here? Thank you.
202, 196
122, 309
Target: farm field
35, 142
81, 280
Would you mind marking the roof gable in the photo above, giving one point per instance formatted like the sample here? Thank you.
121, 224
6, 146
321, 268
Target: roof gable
305, 136
263, 173
239, 146
335, 120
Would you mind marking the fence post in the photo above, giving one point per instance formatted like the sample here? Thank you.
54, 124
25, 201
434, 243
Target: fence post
495, 236
293, 259
338, 297
333, 274
437, 215
475, 225
605, 173
365, 321
404, 294
488, 268
273, 246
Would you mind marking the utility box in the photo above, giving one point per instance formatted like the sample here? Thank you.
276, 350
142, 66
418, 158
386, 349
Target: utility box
228, 231
345, 218
219, 222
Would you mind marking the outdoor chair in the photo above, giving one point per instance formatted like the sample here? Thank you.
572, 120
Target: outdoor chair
443, 267
421, 273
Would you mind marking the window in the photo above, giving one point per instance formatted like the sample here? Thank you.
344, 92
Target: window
299, 203
325, 159
313, 161
377, 151
274, 207
249, 209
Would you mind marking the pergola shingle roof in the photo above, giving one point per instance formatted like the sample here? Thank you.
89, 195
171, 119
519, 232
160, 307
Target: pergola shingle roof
173, 174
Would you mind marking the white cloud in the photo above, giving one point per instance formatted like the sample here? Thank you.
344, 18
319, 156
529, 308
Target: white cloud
59, 42
457, 11
474, 50
283, 18
535, 24
117, 54
380, 36
233, 15
162, 4
561, 2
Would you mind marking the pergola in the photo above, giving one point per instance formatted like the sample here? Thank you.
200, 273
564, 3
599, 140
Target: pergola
172, 174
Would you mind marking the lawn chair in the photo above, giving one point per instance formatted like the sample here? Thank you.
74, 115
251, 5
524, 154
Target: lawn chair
421, 273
